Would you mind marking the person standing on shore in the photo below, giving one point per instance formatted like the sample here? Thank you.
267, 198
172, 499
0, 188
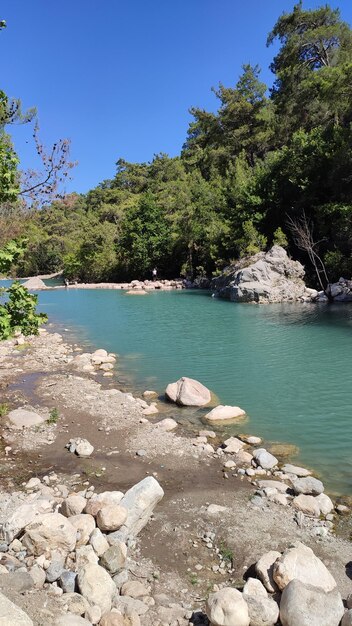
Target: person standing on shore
154, 273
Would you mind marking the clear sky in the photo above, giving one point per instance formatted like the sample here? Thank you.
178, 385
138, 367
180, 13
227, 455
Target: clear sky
118, 77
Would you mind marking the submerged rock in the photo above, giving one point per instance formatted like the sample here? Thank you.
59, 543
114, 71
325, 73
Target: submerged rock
223, 413
188, 392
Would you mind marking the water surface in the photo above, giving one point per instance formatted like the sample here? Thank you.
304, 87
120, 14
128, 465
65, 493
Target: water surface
288, 366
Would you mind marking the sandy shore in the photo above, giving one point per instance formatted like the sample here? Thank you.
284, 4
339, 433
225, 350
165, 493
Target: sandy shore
41, 374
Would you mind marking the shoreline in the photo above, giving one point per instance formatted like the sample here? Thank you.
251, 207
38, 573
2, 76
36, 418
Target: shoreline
196, 473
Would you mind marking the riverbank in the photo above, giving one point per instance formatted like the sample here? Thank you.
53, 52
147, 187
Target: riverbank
47, 375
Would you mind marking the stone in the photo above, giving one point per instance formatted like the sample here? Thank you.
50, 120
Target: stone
223, 413
215, 509
114, 559
70, 619
262, 611
93, 614
111, 517
121, 578
303, 604
84, 555
299, 562
188, 392
307, 504
127, 605
51, 531
150, 410
233, 445
75, 603
24, 515
167, 425
34, 283
140, 502
33, 483
134, 589
349, 601
98, 500
347, 619
275, 484
22, 418
19, 581
301, 472
73, 505
279, 498
55, 568
266, 277
96, 586
98, 542
265, 459
265, 567
84, 525
84, 449
149, 395
113, 618
38, 576
325, 504
12, 615
309, 486
227, 607
243, 458
254, 587
67, 581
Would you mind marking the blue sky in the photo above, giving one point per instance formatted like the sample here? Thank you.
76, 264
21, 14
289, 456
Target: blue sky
118, 77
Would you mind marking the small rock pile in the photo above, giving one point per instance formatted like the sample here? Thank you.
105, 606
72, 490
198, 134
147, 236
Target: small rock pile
91, 362
294, 587
75, 546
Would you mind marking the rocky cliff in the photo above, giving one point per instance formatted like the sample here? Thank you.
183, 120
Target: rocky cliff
266, 277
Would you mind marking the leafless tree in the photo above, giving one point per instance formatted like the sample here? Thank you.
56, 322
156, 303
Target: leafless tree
302, 232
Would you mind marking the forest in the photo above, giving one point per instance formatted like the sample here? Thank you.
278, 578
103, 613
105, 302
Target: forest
268, 156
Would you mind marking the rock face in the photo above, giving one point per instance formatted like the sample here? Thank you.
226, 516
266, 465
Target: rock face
34, 284
224, 413
300, 563
227, 608
306, 605
10, 614
188, 392
267, 277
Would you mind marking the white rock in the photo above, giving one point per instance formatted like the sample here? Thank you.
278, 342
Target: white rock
98, 542
347, 619
33, 483
51, 531
84, 448
140, 502
96, 586
243, 458
301, 472
309, 486
111, 517
265, 459
223, 413
188, 392
150, 410
24, 515
70, 619
168, 424
93, 614
84, 525
254, 587
233, 445
262, 611
265, 567
325, 504
227, 608
73, 505
215, 509
300, 563
307, 504
306, 605
281, 487
22, 418
134, 589
85, 555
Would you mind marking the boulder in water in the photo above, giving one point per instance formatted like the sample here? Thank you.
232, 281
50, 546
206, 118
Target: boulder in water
188, 392
34, 284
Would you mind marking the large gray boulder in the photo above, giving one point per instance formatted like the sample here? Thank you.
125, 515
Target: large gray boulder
266, 277
305, 605
188, 392
299, 562
34, 284
309, 486
12, 615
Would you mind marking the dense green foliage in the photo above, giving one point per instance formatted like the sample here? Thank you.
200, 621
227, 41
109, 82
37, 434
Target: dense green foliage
266, 155
18, 313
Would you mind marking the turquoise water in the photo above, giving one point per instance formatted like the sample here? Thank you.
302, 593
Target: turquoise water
288, 366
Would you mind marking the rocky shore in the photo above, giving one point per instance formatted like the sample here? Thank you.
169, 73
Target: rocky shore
111, 513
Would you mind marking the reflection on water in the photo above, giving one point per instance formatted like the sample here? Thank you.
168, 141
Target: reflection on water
288, 366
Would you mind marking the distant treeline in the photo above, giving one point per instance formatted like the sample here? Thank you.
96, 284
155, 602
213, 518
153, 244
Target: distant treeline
265, 156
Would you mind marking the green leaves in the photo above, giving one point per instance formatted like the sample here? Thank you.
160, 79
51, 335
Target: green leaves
19, 312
